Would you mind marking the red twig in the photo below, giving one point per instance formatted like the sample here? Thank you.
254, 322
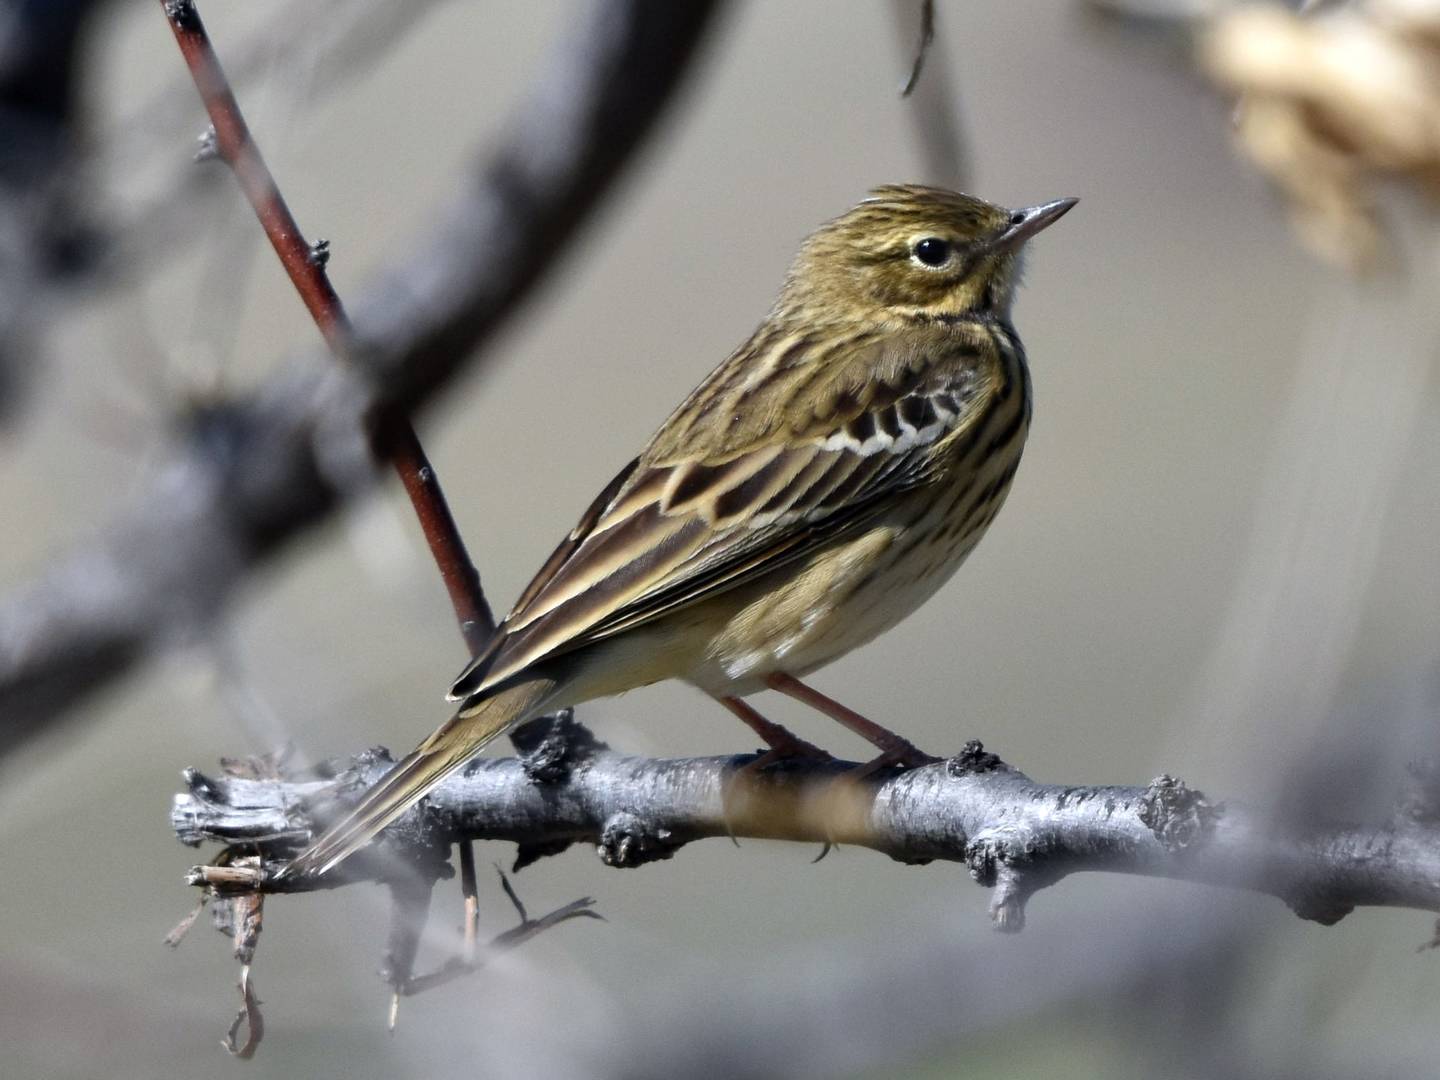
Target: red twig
396, 441
394, 437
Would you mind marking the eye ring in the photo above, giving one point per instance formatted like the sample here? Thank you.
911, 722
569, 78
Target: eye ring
932, 251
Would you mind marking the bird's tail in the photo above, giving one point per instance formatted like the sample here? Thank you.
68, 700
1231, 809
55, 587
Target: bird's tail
407, 783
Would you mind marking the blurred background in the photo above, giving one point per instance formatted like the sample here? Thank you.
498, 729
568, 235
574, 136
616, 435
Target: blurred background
1218, 560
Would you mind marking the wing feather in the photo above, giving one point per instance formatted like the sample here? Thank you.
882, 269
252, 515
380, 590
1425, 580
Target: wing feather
697, 515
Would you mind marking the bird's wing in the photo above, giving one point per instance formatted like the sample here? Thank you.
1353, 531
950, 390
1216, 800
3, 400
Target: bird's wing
702, 511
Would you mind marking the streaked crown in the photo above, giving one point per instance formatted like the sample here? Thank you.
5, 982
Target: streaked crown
913, 252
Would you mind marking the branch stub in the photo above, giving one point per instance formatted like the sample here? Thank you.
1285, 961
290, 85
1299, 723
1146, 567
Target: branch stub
627, 841
1178, 815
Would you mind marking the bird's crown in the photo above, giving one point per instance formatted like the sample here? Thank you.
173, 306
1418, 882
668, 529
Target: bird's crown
912, 251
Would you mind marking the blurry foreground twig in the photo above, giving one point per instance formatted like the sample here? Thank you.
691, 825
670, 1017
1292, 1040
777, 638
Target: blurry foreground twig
244, 477
933, 103
305, 263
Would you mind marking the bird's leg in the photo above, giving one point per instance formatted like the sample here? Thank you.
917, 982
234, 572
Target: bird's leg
895, 749
784, 745
782, 742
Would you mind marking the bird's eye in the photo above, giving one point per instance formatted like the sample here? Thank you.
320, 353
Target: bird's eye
932, 251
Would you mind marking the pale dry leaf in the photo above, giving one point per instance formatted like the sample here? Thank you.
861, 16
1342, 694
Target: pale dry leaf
1332, 103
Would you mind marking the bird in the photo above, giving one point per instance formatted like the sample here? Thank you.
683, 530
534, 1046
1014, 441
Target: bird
815, 488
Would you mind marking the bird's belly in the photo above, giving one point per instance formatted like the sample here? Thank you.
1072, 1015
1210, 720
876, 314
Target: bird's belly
844, 598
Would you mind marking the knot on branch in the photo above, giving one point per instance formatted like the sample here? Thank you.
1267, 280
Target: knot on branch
1317, 906
525, 854
1420, 799
999, 859
182, 14
1177, 814
206, 148
627, 841
552, 747
973, 758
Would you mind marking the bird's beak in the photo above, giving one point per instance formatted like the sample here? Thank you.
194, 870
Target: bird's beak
1029, 220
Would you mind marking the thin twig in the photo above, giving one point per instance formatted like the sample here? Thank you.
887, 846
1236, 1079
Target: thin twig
933, 105
470, 889
514, 897
248, 1018
179, 930
242, 479
306, 266
922, 48
501, 943
392, 436
410, 895
396, 441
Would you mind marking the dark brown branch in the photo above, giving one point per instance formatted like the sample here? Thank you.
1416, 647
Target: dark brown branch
1014, 835
395, 437
244, 478
396, 441
233, 142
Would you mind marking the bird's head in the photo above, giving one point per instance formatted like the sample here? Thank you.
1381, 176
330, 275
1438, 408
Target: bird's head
911, 252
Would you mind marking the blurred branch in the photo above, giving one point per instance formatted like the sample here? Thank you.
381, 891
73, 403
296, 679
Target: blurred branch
932, 102
245, 477
397, 442
394, 436
1015, 835
928, 994
328, 42
922, 47
306, 52
43, 233
395, 439
473, 961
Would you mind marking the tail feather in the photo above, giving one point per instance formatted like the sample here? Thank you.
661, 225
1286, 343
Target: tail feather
408, 782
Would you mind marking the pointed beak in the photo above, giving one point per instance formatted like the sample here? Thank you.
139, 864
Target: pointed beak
1029, 220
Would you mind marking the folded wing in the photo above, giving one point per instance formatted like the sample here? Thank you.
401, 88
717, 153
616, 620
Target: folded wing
702, 511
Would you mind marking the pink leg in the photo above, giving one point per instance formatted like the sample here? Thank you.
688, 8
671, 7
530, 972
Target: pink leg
783, 744
896, 750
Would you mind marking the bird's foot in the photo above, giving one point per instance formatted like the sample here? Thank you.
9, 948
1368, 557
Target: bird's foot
786, 748
894, 749
783, 743
903, 754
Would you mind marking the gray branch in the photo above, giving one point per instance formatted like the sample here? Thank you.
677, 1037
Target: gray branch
243, 478
47, 236
1012, 833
